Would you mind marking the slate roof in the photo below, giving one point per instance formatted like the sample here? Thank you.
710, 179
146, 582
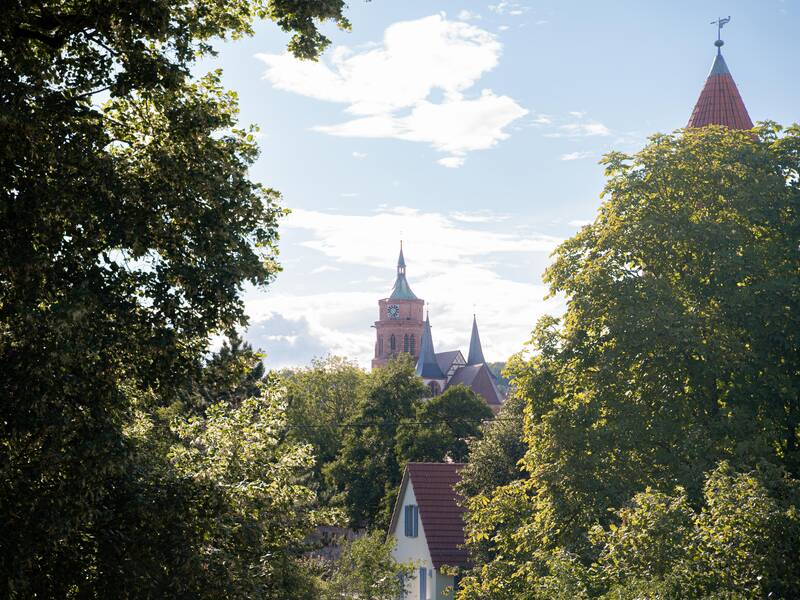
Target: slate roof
446, 359
720, 102
475, 356
442, 517
427, 365
480, 379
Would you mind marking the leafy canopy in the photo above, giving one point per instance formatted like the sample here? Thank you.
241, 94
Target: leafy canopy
679, 351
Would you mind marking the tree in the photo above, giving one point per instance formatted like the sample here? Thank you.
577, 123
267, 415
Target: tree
442, 427
367, 472
367, 570
128, 231
321, 399
231, 375
251, 541
679, 349
494, 455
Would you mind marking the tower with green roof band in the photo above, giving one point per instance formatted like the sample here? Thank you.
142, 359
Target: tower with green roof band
400, 323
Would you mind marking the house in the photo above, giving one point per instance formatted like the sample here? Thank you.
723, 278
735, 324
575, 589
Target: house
428, 526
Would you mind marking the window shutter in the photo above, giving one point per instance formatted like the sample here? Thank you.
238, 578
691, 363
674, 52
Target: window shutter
423, 583
415, 520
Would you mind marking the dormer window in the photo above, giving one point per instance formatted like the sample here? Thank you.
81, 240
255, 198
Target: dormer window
411, 515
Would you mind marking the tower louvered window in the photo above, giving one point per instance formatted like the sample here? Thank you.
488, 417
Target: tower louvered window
405, 343
392, 343
380, 346
413, 346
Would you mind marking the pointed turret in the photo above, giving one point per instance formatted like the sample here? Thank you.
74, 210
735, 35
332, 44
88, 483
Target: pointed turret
720, 102
475, 356
427, 365
401, 289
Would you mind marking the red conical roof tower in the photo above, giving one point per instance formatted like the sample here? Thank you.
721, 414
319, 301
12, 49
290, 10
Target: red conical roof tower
720, 102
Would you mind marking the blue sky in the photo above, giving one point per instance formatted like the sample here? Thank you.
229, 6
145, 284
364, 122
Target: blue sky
472, 130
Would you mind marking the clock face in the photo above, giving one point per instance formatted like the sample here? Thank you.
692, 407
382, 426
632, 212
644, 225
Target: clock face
393, 310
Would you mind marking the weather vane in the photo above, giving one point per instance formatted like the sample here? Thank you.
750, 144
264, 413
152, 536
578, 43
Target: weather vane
720, 23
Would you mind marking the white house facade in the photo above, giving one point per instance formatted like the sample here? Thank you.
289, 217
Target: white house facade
428, 528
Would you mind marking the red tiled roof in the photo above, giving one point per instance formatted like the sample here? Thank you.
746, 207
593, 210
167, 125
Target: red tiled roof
720, 102
442, 517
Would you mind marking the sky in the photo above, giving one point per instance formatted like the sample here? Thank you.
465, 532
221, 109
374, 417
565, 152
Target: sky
472, 131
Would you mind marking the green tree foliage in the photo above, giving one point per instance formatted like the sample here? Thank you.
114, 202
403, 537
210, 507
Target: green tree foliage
127, 233
230, 375
679, 349
442, 427
367, 570
367, 472
494, 455
321, 400
262, 512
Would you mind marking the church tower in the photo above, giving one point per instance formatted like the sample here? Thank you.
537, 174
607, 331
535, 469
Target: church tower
399, 327
720, 102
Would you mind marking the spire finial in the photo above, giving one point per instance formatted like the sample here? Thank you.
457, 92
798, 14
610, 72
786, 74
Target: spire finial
720, 23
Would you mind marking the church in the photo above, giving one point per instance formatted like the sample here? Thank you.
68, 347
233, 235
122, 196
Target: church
401, 328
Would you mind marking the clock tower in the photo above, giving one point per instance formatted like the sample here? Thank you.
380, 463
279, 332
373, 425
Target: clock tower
400, 325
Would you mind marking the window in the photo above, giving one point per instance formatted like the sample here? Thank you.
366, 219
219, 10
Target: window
405, 343
412, 520
435, 389
423, 583
392, 343
413, 344
380, 346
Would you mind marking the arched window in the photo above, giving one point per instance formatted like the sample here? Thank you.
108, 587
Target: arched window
380, 345
392, 343
413, 346
405, 343
435, 389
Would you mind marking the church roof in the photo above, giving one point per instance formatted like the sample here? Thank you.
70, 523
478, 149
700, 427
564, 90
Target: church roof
401, 289
475, 356
480, 380
447, 358
720, 102
427, 365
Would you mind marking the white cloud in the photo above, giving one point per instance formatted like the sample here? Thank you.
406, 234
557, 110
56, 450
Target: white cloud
454, 126
515, 9
479, 216
580, 128
359, 155
468, 15
324, 269
452, 162
576, 155
503, 28
452, 264
349, 194
579, 223
388, 88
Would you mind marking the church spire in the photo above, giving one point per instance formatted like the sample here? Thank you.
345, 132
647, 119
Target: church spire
720, 102
427, 366
401, 289
475, 356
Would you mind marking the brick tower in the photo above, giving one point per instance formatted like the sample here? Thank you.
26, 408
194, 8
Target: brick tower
400, 325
